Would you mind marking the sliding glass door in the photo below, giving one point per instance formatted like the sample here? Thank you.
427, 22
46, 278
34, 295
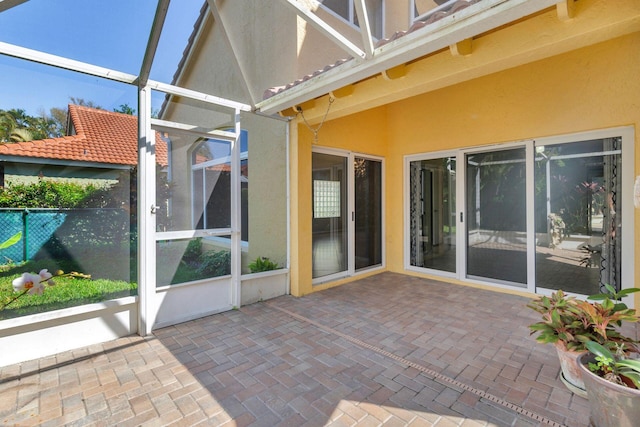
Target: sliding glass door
347, 214
368, 213
329, 224
578, 205
432, 184
496, 220
539, 215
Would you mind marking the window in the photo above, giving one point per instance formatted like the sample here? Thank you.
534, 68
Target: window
326, 199
346, 10
211, 184
422, 9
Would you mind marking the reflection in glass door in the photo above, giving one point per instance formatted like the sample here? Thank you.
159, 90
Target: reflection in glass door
432, 217
542, 215
347, 214
496, 216
368, 213
329, 224
578, 215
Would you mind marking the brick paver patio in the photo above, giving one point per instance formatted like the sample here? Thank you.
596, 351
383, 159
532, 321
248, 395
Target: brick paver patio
387, 350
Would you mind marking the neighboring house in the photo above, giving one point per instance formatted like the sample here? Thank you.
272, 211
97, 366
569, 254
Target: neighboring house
444, 144
99, 147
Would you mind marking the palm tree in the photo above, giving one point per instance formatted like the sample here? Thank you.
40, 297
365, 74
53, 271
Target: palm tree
17, 126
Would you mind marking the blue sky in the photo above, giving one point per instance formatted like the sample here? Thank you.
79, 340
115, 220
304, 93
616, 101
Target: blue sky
108, 33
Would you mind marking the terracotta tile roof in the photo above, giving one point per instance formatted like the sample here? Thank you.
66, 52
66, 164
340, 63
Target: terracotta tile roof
100, 137
429, 19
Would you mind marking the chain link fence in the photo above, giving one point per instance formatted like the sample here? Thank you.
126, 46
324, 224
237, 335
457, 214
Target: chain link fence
75, 234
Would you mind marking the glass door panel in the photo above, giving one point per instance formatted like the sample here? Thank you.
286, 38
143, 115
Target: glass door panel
578, 215
329, 223
496, 216
368, 213
433, 213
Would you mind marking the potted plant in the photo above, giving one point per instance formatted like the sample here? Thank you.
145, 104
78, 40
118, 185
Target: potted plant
612, 381
569, 323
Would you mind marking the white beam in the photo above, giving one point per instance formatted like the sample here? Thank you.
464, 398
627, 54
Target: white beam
325, 29
466, 23
365, 27
93, 70
154, 38
66, 63
236, 222
198, 96
217, 15
168, 126
146, 215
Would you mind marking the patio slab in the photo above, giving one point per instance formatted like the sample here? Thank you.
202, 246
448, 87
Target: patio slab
386, 350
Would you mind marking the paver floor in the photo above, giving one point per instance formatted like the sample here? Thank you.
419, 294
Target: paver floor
386, 350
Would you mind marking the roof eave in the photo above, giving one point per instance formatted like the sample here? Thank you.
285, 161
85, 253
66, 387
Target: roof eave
467, 23
64, 162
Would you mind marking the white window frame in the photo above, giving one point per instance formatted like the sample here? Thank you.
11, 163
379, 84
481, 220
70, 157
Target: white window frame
244, 155
414, 17
351, 19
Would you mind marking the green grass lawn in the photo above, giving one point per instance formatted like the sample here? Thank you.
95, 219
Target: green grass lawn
67, 292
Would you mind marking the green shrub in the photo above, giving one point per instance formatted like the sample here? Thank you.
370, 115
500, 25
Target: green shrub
193, 251
262, 264
44, 194
215, 263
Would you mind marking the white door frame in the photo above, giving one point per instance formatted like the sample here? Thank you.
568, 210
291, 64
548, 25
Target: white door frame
351, 156
628, 142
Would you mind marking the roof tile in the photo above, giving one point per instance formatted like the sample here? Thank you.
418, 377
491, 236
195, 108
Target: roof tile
101, 137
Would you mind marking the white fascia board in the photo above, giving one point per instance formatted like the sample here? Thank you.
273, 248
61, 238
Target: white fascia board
326, 29
476, 19
154, 39
61, 162
66, 63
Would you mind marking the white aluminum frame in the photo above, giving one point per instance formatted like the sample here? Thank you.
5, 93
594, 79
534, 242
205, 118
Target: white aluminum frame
628, 138
147, 292
351, 271
406, 179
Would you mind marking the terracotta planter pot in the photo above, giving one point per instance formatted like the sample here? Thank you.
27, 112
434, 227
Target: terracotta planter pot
571, 373
611, 405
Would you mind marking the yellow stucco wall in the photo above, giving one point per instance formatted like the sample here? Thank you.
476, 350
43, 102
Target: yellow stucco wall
587, 89
591, 88
366, 136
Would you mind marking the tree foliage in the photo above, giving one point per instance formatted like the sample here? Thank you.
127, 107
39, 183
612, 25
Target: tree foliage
17, 126
125, 109
45, 194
